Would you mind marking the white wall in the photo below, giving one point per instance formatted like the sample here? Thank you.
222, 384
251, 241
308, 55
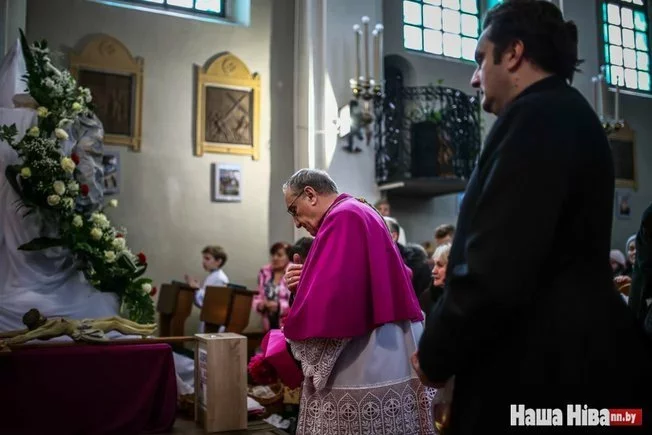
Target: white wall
165, 199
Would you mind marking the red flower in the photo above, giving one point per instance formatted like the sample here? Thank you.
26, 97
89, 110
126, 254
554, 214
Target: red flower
141, 258
153, 292
119, 236
75, 158
84, 189
261, 371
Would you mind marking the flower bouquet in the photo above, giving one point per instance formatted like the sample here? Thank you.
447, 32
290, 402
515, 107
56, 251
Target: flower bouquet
49, 183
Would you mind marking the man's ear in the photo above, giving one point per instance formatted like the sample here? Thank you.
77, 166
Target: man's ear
513, 55
310, 193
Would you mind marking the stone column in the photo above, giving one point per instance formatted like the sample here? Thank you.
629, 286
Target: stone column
309, 83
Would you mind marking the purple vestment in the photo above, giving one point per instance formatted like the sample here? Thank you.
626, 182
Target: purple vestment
354, 279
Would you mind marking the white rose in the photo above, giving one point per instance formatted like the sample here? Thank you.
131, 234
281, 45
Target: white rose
25, 172
59, 187
100, 220
60, 133
76, 106
64, 122
96, 233
34, 131
68, 165
54, 200
119, 244
147, 288
77, 221
73, 187
68, 203
113, 203
42, 112
109, 256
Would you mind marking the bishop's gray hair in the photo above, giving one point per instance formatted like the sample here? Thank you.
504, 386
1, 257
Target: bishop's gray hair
315, 178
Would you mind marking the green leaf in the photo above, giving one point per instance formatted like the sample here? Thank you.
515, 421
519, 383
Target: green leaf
41, 243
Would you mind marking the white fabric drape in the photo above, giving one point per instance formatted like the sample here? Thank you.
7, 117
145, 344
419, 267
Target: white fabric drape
46, 280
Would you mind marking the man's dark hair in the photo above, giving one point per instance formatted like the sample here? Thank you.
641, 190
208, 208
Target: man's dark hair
444, 230
301, 247
549, 41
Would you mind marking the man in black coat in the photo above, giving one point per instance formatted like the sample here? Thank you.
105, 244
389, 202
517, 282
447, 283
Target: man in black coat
530, 315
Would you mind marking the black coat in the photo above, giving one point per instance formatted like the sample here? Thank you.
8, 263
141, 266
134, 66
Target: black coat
529, 314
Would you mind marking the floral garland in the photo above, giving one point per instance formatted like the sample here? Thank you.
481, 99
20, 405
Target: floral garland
47, 182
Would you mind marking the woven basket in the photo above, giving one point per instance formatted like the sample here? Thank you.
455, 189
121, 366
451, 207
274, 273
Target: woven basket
277, 390
291, 397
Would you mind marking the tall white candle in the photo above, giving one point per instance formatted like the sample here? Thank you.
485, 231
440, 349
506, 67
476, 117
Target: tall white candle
379, 66
356, 30
617, 104
365, 25
376, 56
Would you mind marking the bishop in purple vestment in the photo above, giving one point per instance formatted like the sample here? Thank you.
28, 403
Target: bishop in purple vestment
355, 320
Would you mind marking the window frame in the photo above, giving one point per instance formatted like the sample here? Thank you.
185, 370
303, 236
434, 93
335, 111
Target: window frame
182, 9
482, 9
603, 44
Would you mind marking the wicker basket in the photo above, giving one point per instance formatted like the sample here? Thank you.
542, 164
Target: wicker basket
265, 400
291, 397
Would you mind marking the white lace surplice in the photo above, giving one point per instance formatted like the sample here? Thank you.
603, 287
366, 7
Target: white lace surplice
364, 385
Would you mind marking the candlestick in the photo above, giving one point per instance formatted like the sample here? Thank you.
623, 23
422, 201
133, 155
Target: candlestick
365, 24
356, 29
379, 54
617, 104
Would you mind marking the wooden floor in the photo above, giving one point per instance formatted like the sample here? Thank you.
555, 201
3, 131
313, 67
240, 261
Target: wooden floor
184, 426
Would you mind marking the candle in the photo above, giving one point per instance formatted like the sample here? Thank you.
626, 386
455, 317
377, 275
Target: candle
356, 29
617, 104
376, 55
379, 65
604, 92
365, 24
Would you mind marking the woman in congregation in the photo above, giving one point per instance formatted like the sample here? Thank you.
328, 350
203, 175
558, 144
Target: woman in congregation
272, 300
429, 298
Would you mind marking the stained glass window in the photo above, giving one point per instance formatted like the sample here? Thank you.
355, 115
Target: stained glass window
626, 49
444, 27
204, 7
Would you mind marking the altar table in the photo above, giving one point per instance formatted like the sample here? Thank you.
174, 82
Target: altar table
88, 390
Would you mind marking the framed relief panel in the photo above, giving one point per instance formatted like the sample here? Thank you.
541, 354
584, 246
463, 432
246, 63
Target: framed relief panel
115, 79
228, 108
623, 150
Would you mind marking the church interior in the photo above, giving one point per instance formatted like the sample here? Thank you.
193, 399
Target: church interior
205, 108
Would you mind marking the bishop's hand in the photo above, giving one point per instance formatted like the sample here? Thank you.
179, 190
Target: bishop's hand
293, 273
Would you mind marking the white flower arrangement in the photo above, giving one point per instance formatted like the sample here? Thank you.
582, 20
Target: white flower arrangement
46, 181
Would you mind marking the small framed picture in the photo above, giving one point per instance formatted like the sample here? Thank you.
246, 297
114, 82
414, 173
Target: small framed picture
623, 205
111, 167
227, 182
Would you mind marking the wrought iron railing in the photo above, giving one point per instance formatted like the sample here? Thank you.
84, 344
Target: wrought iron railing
454, 115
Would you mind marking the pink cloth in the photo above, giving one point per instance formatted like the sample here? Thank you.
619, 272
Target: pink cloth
264, 276
276, 354
353, 280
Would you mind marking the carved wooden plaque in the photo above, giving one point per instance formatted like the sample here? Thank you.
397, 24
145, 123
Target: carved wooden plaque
115, 79
228, 108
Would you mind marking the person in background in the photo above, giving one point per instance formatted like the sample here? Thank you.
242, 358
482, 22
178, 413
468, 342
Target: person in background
630, 252
617, 261
272, 300
444, 234
385, 210
213, 260
440, 258
383, 207
414, 257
